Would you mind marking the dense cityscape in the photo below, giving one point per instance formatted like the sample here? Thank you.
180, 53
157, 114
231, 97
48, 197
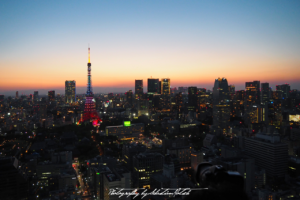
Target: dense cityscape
81, 146
150, 100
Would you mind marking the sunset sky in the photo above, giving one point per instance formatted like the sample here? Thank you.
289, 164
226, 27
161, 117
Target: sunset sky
45, 43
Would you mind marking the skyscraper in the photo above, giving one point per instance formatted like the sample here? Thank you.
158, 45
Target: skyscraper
17, 94
165, 86
252, 101
159, 86
70, 91
231, 89
51, 96
283, 91
129, 97
221, 107
192, 98
153, 86
252, 93
178, 100
35, 96
90, 113
139, 92
165, 92
265, 92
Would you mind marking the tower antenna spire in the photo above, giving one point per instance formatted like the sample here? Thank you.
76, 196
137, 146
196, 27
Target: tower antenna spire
89, 55
90, 113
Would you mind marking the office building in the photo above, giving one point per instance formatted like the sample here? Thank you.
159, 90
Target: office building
252, 99
252, 93
127, 131
17, 94
265, 93
165, 86
283, 91
70, 91
220, 91
118, 178
159, 86
35, 96
269, 153
139, 92
153, 86
51, 96
221, 107
129, 97
257, 113
144, 165
165, 94
192, 98
130, 150
178, 101
231, 89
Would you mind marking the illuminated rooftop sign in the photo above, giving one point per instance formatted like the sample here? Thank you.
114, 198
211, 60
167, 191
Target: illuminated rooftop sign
126, 123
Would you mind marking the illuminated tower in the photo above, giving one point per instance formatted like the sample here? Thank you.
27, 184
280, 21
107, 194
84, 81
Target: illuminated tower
90, 113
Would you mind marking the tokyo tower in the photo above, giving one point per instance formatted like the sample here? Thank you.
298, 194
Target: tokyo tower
90, 114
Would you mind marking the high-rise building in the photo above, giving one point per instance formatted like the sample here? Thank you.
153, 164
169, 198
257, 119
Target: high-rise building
269, 153
231, 92
192, 98
221, 107
178, 101
70, 91
90, 113
144, 165
252, 100
51, 96
283, 90
165, 86
265, 93
202, 98
129, 97
35, 95
231, 89
220, 90
252, 93
153, 86
17, 94
165, 92
159, 86
139, 92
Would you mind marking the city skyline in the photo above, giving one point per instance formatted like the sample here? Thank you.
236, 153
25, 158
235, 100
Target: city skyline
192, 43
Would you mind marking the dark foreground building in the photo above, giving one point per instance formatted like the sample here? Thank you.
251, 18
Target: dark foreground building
12, 185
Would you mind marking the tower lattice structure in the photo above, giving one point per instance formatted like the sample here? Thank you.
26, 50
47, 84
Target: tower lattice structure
90, 113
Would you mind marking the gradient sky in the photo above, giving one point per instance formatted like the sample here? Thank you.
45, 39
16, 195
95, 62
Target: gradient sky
44, 43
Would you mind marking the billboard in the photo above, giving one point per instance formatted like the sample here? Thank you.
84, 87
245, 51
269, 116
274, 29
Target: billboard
127, 123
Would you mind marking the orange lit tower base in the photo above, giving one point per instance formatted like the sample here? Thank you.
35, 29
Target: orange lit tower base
90, 114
